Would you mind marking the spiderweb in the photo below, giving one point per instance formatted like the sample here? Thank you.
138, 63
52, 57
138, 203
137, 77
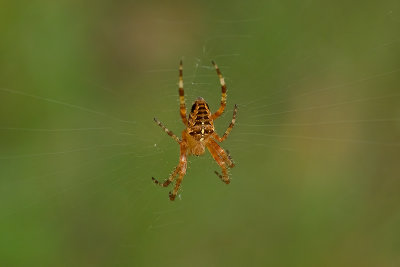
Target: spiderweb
316, 144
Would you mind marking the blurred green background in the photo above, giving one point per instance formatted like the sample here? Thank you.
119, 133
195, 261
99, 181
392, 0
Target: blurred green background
316, 145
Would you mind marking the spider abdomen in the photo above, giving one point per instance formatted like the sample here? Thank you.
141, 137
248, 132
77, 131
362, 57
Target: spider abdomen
200, 123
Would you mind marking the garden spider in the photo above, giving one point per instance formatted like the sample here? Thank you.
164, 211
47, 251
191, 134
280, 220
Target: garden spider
199, 133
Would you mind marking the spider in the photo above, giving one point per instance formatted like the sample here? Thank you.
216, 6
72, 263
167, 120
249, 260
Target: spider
199, 134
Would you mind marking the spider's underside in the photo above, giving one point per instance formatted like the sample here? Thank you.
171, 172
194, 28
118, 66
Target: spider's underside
199, 134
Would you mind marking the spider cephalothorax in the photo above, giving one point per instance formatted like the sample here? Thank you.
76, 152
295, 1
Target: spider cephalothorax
199, 134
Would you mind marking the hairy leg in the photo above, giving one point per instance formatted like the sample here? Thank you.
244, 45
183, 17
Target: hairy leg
230, 127
169, 180
222, 160
182, 108
170, 133
223, 93
182, 170
224, 155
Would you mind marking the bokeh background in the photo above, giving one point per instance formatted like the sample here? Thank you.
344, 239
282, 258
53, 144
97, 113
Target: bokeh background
316, 145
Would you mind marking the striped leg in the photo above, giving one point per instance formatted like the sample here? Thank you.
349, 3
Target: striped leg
230, 158
223, 96
224, 155
220, 158
224, 177
182, 108
169, 180
170, 133
172, 195
228, 131
182, 171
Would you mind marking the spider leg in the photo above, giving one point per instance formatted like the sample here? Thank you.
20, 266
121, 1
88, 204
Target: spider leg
169, 180
223, 95
230, 159
172, 195
182, 171
222, 159
230, 127
221, 177
182, 96
170, 133
224, 155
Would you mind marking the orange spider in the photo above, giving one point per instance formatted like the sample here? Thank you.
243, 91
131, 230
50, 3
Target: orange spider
199, 133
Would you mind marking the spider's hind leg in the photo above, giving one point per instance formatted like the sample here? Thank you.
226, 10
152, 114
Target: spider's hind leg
223, 160
173, 193
169, 180
231, 164
224, 177
182, 171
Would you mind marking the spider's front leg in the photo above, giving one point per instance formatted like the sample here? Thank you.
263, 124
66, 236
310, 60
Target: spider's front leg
230, 127
223, 93
182, 106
